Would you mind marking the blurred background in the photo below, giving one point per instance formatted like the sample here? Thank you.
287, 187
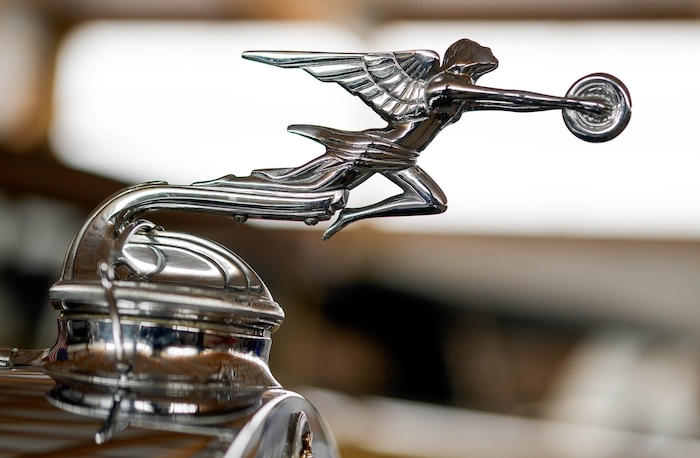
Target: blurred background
552, 311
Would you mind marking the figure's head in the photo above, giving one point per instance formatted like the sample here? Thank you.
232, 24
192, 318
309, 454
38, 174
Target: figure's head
467, 57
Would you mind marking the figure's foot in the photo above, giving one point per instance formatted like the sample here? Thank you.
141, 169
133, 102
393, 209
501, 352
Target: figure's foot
344, 218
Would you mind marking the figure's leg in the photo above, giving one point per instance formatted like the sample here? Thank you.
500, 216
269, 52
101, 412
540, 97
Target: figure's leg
302, 172
421, 196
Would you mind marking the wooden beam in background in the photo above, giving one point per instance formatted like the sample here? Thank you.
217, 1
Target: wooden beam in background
373, 11
43, 176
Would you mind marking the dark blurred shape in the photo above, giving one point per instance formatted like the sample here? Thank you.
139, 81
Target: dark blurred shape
452, 355
407, 328
24, 296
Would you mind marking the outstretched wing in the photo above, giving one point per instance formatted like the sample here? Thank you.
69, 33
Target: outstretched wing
392, 83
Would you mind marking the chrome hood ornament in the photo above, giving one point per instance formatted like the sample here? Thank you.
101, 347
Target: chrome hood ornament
160, 327
418, 96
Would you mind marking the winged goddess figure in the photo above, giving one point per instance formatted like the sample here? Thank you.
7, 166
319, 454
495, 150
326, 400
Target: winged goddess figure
418, 96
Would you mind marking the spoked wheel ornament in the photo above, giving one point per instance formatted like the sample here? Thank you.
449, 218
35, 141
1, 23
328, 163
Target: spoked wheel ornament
599, 127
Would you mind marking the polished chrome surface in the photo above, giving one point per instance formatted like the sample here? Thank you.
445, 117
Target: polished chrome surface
166, 330
170, 331
150, 427
599, 127
161, 309
418, 96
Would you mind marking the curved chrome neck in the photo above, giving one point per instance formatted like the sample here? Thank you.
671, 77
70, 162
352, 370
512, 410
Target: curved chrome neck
96, 238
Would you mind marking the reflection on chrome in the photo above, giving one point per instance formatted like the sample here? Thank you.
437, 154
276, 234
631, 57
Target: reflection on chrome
169, 331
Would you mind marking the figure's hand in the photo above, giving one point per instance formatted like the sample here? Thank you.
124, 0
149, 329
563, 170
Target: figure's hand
603, 108
599, 107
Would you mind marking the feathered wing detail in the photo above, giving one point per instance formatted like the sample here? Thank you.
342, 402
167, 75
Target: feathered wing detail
392, 83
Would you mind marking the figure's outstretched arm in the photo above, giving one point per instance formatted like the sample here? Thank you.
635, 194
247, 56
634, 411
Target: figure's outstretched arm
485, 98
